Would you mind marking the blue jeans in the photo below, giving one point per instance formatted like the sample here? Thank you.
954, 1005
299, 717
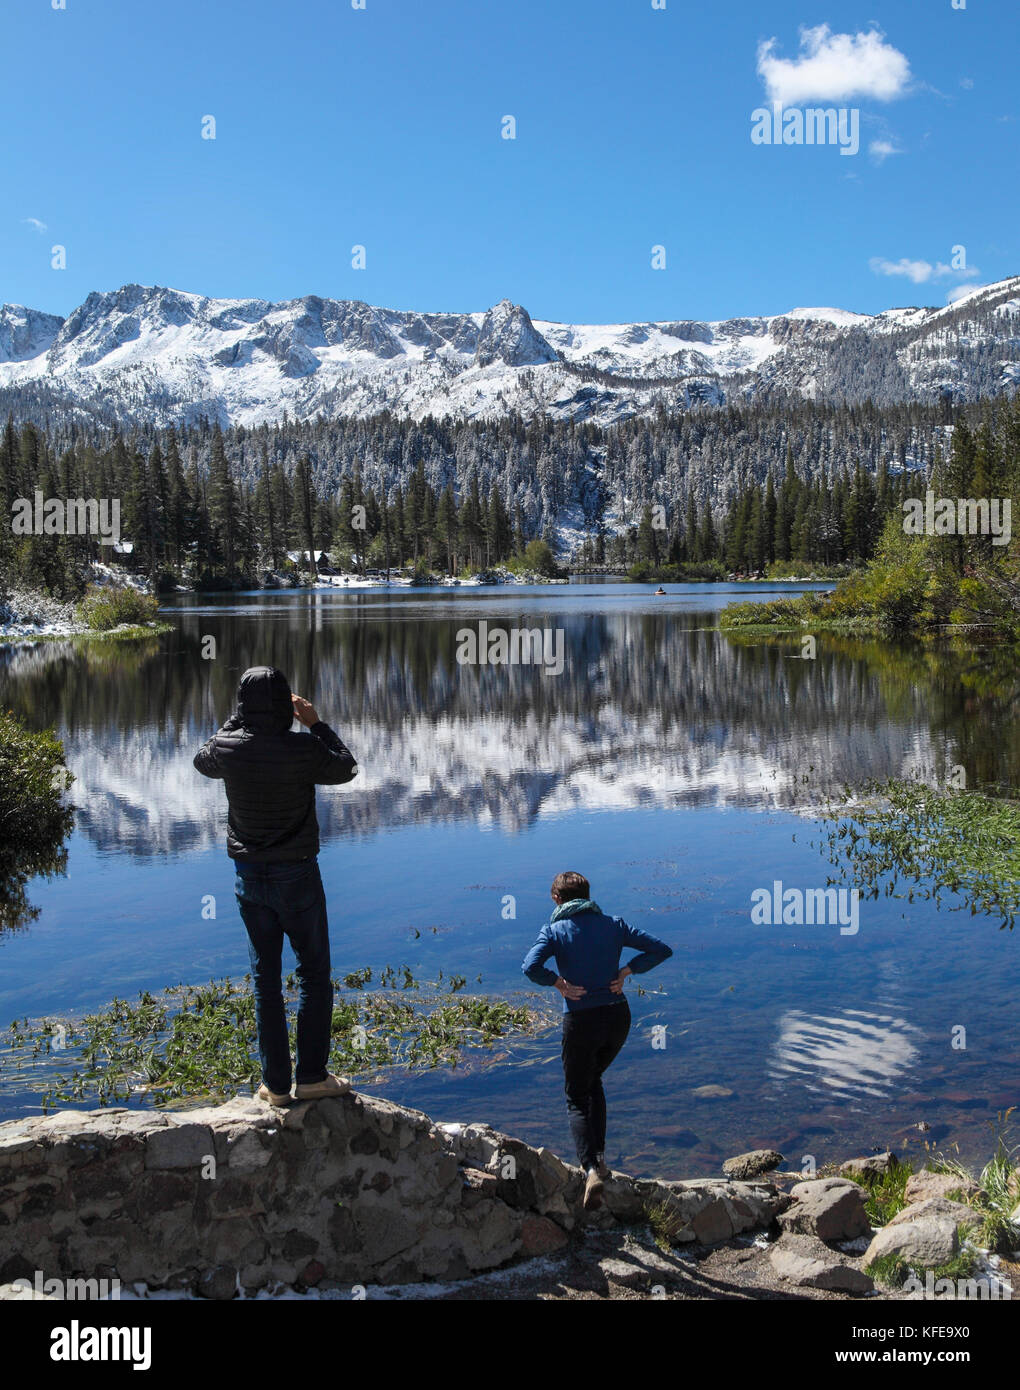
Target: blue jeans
278, 900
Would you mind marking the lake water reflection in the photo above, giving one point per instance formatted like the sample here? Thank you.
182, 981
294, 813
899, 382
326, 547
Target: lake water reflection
675, 766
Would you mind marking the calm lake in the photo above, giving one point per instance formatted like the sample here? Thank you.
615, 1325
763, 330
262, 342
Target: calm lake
676, 767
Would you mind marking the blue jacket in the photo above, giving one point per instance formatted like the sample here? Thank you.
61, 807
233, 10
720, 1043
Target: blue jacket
586, 945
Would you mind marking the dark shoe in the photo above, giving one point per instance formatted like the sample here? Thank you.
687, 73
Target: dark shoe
602, 1168
593, 1190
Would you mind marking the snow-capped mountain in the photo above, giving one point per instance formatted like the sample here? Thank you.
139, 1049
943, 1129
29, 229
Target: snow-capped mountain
160, 355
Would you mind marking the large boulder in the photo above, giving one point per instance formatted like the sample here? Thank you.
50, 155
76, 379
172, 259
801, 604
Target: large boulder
924, 1234
753, 1164
829, 1208
805, 1261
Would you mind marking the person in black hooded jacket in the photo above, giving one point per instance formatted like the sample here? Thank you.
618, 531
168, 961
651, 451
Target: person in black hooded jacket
270, 775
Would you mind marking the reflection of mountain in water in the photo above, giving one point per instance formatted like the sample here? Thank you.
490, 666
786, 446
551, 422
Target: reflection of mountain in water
650, 711
847, 1055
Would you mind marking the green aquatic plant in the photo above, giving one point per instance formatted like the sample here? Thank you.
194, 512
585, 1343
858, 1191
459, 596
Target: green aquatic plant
199, 1040
936, 841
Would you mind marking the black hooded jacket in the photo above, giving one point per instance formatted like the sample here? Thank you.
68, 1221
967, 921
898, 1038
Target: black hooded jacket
270, 773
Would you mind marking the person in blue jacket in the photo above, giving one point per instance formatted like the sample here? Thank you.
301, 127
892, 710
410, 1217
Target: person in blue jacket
586, 946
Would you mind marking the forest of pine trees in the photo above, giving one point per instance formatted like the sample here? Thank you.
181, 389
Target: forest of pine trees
711, 492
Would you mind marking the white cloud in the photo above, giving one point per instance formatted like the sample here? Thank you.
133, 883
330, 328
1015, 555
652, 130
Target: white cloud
834, 67
920, 272
966, 83
880, 150
34, 222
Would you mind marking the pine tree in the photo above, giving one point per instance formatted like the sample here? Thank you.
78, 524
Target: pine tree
222, 504
446, 527
305, 499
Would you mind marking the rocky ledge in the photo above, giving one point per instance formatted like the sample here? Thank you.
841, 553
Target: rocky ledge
341, 1192
346, 1195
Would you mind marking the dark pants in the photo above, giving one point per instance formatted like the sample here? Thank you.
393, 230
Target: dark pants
591, 1040
278, 900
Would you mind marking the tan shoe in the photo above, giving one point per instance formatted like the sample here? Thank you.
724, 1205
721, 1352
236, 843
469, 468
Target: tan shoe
273, 1097
316, 1090
593, 1190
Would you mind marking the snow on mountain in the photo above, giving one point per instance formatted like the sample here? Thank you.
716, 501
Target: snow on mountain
25, 333
159, 355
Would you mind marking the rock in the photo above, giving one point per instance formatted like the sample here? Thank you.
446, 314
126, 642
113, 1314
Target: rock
313, 1273
751, 1165
219, 1283
829, 1208
874, 1165
13, 1143
247, 1152
179, 1146
540, 1236
624, 1201
924, 1234
803, 1260
921, 1186
711, 1092
478, 1185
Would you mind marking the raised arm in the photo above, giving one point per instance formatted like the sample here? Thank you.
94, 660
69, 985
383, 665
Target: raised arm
335, 764
205, 759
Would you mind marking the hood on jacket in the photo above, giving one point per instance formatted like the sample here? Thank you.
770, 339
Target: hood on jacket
574, 908
263, 701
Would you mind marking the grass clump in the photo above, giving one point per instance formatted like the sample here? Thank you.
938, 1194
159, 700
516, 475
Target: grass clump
998, 1196
886, 1191
666, 1221
963, 1263
107, 606
891, 1271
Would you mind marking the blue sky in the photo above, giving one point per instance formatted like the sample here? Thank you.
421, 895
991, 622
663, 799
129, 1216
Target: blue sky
381, 127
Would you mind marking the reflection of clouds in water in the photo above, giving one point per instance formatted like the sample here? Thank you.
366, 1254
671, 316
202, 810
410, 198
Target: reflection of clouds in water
850, 1054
